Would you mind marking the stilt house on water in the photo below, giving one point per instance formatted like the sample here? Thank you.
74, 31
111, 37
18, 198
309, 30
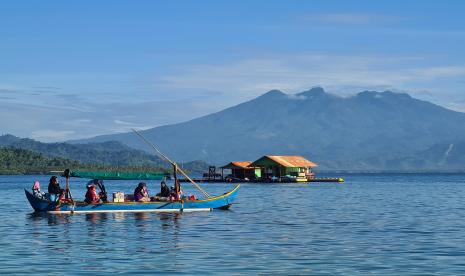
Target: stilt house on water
294, 168
241, 170
271, 168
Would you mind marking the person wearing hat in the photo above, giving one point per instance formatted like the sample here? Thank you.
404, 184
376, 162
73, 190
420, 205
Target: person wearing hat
91, 194
36, 190
140, 193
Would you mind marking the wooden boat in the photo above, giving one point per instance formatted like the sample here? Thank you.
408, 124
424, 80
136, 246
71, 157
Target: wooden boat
217, 202
68, 205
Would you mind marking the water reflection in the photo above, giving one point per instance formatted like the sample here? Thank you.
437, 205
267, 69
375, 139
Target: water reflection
52, 219
36, 216
141, 216
170, 220
393, 225
150, 232
119, 217
96, 218
167, 219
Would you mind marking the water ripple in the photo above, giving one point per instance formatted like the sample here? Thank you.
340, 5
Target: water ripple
371, 225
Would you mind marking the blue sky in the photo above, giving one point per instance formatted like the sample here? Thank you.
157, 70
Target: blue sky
78, 69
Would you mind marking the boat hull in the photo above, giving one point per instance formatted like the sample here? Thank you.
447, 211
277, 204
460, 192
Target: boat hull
219, 202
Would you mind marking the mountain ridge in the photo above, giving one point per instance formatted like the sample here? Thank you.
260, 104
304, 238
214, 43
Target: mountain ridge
337, 132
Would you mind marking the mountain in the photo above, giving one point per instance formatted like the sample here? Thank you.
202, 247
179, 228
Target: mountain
442, 156
370, 130
110, 153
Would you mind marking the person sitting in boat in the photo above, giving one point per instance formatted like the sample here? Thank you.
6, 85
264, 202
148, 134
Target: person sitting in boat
36, 190
164, 193
91, 195
176, 191
54, 189
103, 193
164, 190
140, 193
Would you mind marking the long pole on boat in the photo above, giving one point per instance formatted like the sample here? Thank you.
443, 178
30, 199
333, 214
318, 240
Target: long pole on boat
176, 168
67, 190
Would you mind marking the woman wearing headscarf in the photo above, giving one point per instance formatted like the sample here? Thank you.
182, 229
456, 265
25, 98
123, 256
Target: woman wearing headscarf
91, 195
54, 190
36, 190
164, 190
140, 193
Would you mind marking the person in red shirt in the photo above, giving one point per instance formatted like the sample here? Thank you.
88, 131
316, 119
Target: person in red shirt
91, 195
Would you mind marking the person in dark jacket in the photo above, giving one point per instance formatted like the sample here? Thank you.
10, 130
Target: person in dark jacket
164, 190
54, 186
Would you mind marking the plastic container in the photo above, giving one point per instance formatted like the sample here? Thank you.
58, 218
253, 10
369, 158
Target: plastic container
118, 197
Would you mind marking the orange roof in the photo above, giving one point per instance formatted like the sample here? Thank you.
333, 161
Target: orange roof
238, 164
242, 164
290, 161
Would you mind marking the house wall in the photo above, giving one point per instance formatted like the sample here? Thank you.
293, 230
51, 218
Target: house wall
270, 168
247, 173
278, 171
258, 173
296, 171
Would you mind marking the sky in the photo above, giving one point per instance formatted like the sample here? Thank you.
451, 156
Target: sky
77, 69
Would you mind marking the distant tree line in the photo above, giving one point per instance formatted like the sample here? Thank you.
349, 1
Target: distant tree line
108, 155
21, 161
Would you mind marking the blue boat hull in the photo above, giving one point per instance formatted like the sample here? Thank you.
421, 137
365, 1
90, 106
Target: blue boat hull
219, 202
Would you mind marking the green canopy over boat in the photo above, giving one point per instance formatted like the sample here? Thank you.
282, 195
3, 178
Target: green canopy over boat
119, 175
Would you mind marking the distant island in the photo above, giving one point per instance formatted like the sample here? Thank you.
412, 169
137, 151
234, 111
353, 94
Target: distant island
27, 156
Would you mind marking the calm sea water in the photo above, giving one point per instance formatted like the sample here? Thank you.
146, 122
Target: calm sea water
372, 224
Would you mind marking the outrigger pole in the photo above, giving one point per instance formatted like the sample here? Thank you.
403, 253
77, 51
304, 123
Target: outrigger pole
175, 166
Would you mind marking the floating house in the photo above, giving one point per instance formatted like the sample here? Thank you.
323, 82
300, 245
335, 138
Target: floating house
279, 167
242, 170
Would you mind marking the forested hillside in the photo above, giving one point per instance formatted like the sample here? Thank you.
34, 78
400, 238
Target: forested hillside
20, 161
108, 154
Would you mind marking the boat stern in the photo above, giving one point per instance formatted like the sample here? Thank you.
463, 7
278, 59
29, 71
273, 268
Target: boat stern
38, 204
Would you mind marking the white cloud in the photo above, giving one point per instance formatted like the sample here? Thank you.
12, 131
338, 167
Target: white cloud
52, 134
294, 73
441, 71
296, 97
58, 123
82, 121
350, 18
238, 81
120, 122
